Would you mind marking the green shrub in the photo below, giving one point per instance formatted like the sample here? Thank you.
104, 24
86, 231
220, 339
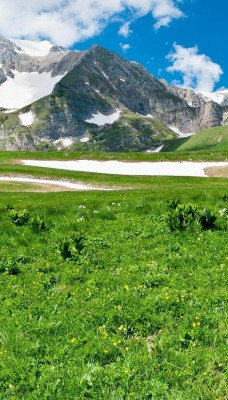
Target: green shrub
207, 219
19, 218
182, 217
37, 223
70, 247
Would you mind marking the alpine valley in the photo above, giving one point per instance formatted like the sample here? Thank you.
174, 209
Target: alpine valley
52, 98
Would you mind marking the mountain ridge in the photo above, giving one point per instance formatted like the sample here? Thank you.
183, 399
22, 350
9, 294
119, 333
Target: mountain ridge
80, 85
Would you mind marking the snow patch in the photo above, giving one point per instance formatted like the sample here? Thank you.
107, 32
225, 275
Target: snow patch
106, 76
27, 119
64, 142
217, 97
101, 119
123, 80
84, 140
145, 116
34, 48
180, 134
25, 88
157, 150
169, 168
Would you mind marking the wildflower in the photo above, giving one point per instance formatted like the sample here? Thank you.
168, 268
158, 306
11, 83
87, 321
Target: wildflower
73, 340
126, 287
105, 334
105, 351
121, 328
115, 344
82, 206
80, 219
119, 307
126, 371
126, 348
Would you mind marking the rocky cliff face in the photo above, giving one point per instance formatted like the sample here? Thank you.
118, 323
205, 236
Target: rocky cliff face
96, 83
57, 60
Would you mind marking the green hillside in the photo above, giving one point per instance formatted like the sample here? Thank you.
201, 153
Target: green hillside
211, 139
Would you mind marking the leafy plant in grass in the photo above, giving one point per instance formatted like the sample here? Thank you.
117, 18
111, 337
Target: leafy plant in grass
19, 218
207, 219
11, 265
70, 247
37, 223
182, 217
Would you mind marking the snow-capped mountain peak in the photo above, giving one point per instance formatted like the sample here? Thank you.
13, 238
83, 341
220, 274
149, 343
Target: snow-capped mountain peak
219, 97
33, 48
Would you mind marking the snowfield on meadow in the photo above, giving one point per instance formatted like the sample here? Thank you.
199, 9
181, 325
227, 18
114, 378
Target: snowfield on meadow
163, 168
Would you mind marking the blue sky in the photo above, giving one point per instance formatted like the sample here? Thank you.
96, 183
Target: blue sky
183, 41
203, 25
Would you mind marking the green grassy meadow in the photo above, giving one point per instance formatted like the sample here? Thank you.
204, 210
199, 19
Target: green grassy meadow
211, 139
113, 295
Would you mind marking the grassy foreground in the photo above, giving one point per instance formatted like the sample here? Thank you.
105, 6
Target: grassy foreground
101, 300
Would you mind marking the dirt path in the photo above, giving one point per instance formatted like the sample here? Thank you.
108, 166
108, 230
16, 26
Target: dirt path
48, 185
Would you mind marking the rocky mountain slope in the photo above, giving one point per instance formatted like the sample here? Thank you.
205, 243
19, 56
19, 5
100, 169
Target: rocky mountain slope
91, 98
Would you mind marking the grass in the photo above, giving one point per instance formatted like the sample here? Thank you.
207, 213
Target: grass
141, 321
101, 300
211, 139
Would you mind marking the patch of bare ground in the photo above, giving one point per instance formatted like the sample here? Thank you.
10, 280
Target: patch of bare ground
217, 172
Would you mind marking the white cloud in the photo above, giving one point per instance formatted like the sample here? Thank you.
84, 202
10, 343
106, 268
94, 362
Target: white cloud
66, 22
125, 30
198, 71
125, 47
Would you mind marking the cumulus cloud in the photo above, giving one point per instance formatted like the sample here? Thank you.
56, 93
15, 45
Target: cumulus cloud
198, 71
125, 47
125, 30
66, 22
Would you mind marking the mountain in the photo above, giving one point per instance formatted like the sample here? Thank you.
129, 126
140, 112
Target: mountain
91, 99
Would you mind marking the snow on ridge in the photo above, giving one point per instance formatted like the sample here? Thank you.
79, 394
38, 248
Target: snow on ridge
180, 134
34, 48
217, 97
27, 119
101, 119
25, 88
